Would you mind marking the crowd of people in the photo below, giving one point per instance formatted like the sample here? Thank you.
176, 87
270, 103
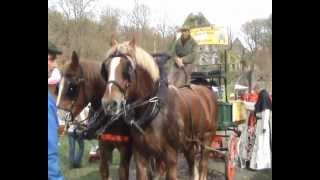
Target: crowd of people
256, 140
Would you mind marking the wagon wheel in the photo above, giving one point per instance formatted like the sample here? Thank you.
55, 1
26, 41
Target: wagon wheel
226, 165
230, 167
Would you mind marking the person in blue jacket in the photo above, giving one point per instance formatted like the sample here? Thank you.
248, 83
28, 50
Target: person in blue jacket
54, 171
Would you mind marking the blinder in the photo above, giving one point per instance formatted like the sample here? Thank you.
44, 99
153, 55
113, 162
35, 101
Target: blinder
131, 68
128, 73
73, 89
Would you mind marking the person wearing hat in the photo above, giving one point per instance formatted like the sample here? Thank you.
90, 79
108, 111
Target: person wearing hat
261, 152
54, 171
184, 57
54, 75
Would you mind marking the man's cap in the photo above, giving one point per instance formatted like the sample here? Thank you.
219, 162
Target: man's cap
53, 49
185, 27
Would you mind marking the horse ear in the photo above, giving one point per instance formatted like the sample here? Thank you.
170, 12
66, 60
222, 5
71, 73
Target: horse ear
113, 42
132, 43
74, 59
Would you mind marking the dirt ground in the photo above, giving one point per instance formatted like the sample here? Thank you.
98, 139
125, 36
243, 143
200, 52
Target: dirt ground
216, 174
90, 171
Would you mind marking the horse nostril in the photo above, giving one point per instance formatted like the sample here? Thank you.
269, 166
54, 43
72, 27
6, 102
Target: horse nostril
106, 105
113, 105
110, 106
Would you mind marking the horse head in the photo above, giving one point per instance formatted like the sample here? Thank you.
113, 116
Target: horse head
71, 95
131, 75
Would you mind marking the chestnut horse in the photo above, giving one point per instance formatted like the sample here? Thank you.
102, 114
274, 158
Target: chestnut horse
82, 83
164, 120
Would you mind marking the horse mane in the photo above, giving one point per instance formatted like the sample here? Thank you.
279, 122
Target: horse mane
146, 61
141, 58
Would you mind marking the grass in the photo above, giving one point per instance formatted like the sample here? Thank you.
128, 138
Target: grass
88, 171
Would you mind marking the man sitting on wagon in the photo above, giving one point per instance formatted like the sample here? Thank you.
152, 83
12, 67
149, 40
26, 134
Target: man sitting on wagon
185, 56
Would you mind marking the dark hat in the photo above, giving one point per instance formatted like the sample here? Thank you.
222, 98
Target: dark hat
184, 27
53, 49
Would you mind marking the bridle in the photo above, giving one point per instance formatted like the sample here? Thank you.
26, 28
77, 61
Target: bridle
127, 109
80, 81
117, 84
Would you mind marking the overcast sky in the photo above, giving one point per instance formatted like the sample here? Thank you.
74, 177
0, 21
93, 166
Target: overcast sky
228, 13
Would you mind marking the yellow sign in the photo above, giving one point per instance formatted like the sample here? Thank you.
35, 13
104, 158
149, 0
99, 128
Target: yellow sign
210, 35
239, 111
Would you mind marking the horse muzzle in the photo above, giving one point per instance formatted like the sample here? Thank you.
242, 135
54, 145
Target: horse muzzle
112, 107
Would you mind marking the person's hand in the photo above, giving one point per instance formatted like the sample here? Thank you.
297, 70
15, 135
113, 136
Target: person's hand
179, 62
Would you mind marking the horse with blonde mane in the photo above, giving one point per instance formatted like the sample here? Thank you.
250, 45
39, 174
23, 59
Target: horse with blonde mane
164, 120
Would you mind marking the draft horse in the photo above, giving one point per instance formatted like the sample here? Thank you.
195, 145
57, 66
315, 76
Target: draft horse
82, 83
164, 120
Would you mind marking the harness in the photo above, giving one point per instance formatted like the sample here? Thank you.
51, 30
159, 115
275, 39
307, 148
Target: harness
127, 57
69, 116
128, 113
128, 110
113, 138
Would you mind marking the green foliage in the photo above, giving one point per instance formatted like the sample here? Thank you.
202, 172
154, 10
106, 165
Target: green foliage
196, 20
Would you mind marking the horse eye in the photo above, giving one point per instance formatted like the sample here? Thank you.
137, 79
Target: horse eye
71, 90
72, 86
127, 73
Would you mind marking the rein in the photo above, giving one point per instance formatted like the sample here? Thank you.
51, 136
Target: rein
128, 109
185, 75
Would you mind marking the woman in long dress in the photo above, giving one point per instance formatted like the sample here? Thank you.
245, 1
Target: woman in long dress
261, 153
247, 138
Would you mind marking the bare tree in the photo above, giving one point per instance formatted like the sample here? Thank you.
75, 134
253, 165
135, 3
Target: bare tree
258, 34
139, 16
162, 26
163, 33
77, 14
73, 29
76, 9
110, 21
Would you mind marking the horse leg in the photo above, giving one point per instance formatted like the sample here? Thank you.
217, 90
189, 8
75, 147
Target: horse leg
171, 158
125, 157
141, 163
193, 169
159, 168
203, 166
105, 149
